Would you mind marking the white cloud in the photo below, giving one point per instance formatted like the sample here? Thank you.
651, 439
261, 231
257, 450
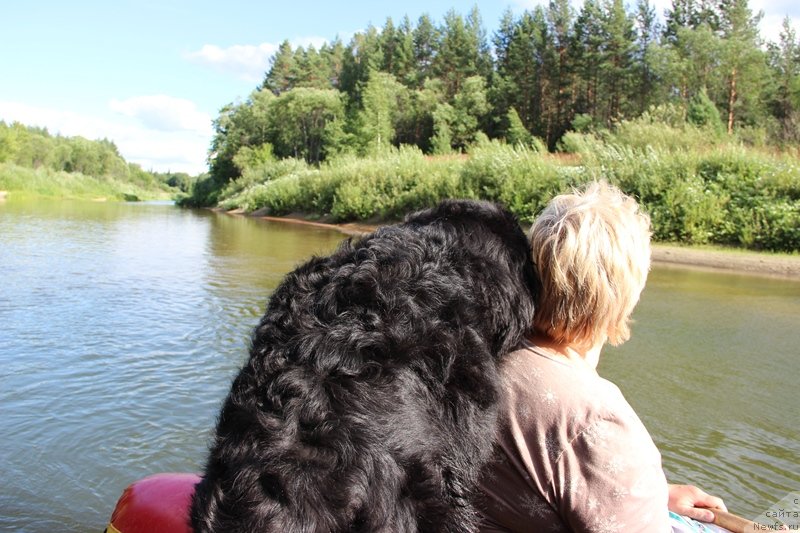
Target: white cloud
246, 61
180, 150
166, 151
164, 113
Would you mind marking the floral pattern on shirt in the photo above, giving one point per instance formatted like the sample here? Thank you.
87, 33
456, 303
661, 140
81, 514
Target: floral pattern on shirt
575, 457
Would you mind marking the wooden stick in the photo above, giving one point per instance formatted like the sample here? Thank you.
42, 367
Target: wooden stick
736, 524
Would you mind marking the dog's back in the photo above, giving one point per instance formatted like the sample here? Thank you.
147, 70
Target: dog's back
369, 400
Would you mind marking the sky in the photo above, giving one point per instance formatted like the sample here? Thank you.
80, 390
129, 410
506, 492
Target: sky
152, 75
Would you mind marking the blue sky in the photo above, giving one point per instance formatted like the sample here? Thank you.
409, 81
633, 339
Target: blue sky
151, 75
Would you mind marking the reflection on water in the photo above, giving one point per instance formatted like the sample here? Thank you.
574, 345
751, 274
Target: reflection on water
121, 330
712, 369
121, 326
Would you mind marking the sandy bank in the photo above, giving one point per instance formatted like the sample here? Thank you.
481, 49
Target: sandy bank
785, 266
741, 261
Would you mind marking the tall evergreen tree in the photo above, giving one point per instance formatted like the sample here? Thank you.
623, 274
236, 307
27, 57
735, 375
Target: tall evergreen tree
743, 61
588, 54
333, 56
617, 60
483, 60
502, 39
362, 55
313, 69
458, 56
560, 24
522, 71
282, 74
500, 83
404, 61
388, 40
785, 63
426, 44
679, 15
546, 82
647, 30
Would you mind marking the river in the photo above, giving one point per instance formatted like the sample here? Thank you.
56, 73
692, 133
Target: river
121, 326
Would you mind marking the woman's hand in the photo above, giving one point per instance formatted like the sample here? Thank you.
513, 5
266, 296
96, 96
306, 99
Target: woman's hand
688, 500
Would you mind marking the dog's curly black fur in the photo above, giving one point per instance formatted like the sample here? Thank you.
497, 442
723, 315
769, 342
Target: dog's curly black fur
369, 400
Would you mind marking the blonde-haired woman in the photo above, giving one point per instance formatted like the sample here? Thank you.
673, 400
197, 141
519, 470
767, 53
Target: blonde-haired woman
572, 455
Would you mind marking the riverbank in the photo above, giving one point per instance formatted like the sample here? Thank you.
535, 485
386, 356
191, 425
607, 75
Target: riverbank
47, 183
732, 260
718, 259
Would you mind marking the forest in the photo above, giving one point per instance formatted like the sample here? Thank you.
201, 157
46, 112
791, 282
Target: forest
546, 72
693, 112
33, 161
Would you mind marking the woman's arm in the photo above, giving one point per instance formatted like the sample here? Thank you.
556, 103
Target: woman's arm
610, 479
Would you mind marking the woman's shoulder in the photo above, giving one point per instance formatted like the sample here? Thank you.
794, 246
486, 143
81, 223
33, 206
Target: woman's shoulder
559, 392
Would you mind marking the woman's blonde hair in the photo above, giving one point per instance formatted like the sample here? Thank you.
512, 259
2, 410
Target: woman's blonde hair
592, 252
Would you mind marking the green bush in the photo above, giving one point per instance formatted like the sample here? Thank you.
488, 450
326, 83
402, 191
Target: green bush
725, 194
703, 113
262, 172
205, 192
714, 191
518, 177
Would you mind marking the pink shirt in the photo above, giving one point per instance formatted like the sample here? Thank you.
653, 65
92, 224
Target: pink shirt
571, 455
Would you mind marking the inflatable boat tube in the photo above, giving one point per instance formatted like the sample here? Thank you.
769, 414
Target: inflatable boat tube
154, 504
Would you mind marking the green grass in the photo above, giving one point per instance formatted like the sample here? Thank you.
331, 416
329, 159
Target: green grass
45, 182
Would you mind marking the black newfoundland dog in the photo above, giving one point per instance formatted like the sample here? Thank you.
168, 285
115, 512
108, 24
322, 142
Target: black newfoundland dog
370, 397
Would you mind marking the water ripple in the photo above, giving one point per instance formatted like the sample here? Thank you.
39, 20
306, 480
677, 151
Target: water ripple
123, 325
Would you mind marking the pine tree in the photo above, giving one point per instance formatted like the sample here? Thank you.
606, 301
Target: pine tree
646, 37
333, 55
786, 62
679, 15
477, 33
560, 25
405, 63
499, 90
690, 14
362, 55
743, 62
521, 72
587, 51
502, 40
545, 88
388, 43
282, 75
426, 44
617, 60
313, 69
458, 56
